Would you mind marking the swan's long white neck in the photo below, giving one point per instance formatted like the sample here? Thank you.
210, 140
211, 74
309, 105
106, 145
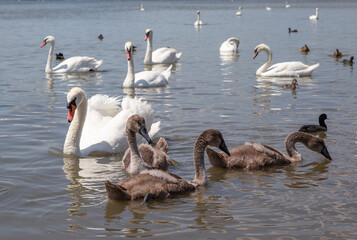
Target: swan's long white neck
148, 54
49, 58
136, 163
72, 142
317, 14
266, 65
130, 76
198, 18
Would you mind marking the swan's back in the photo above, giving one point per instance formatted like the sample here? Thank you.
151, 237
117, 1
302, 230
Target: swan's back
292, 69
165, 55
78, 64
138, 186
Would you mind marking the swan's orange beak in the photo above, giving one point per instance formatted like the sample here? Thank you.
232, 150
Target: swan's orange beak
71, 111
44, 43
255, 54
128, 55
146, 36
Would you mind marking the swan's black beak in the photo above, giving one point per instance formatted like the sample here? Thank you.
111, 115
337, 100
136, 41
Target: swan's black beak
325, 153
224, 148
255, 53
143, 132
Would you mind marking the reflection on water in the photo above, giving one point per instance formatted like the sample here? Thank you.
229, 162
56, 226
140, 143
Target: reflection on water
228, 58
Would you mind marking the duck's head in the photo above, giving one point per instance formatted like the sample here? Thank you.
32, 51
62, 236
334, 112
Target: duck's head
48, 39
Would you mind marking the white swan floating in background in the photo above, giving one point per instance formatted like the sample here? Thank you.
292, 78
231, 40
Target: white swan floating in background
198, 21
98, 124
142, 8
230, 45
144, 78
287, 5
162, 55
239, 12
70, 65
315, 17
267, 7
284, 69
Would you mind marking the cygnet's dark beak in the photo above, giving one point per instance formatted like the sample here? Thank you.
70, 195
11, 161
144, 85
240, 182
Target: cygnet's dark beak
224, 148
143, 132
325, 153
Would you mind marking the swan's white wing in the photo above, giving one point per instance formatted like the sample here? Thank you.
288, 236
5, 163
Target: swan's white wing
107, 134
78, 64
290, 69
231, 45
150, 79
165, 55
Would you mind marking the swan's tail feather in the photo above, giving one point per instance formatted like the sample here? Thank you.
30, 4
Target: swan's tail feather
308, 71
178, 55
167, 72
116, 192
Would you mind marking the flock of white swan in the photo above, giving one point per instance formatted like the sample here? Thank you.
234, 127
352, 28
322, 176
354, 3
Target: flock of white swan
109, 124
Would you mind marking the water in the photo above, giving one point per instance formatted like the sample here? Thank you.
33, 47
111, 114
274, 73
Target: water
46, 196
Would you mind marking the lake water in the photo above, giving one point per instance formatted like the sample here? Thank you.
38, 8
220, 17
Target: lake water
46, 196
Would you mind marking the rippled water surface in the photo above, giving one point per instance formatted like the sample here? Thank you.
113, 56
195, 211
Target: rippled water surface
44, 195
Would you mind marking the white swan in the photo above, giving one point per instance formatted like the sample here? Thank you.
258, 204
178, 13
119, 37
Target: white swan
315, 17
230, 45
142, 8
267, 7
198, 22
98, 124
284, 69
144, 78
287, 5
159, 56
73, 64
239, 13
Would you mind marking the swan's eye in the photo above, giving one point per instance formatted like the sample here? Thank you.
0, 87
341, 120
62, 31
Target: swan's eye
73, 102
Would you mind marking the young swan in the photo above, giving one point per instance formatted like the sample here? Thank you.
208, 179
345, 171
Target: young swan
159, 184
316, 128
154, 157
136, 124
257, 155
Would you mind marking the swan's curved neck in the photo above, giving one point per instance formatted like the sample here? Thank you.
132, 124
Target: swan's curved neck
148, 54
266, 65
49, 58
130, 76
290, 141
72, 142
136, 163
198, 18
198, 159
